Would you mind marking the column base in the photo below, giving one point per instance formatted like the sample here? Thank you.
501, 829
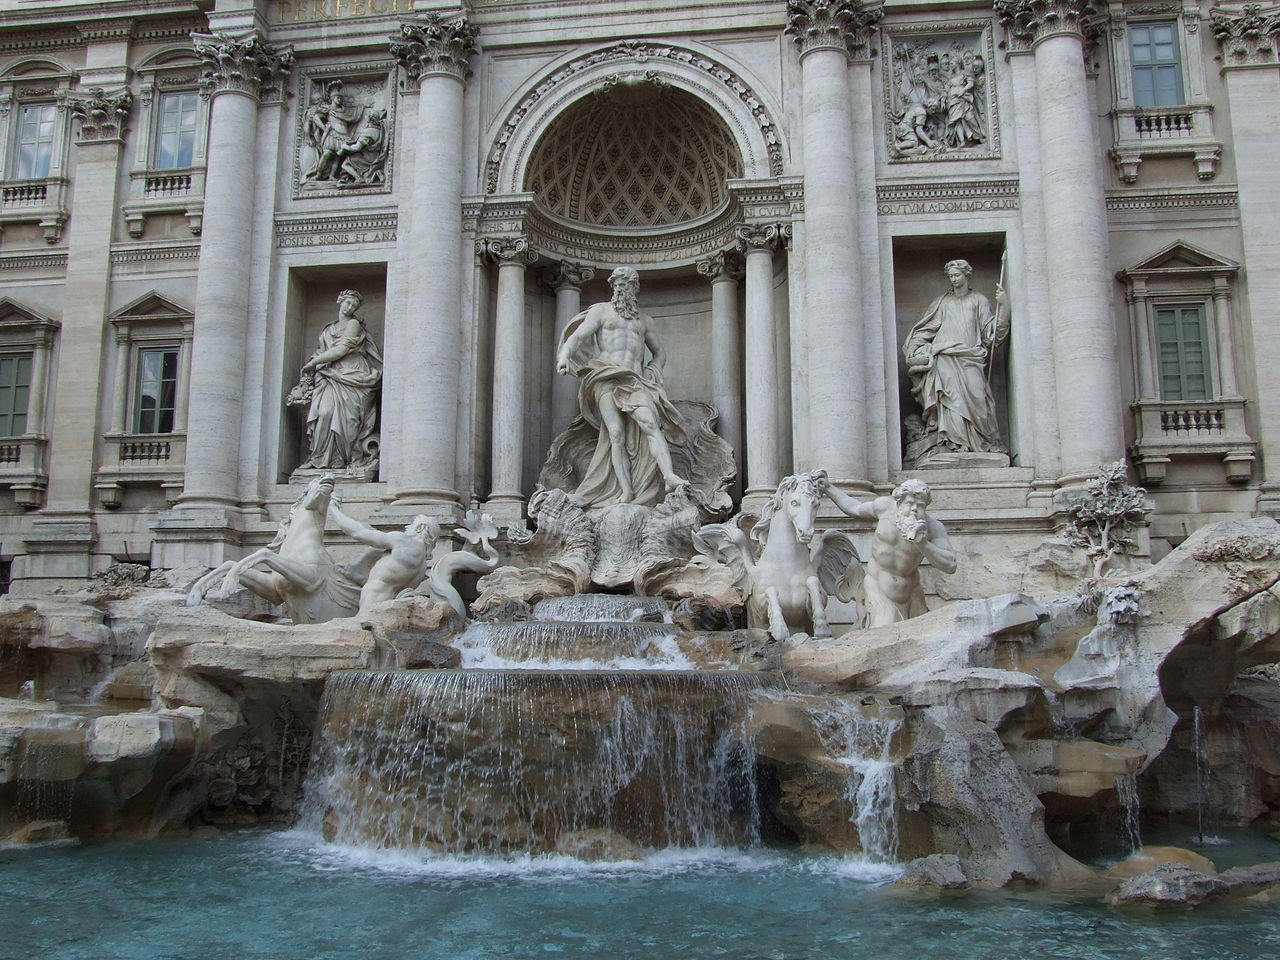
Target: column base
505, 508
59, 554
442, 505
190, 536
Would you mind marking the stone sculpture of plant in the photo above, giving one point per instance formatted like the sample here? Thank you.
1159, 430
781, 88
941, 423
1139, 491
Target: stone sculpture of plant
1103, 520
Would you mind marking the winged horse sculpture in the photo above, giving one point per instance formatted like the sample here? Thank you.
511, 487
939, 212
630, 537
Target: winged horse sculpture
784, 570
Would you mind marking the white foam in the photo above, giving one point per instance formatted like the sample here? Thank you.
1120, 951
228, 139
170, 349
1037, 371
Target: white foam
660, 653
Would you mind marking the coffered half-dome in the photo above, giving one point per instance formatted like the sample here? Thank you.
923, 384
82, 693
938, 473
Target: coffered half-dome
635, 154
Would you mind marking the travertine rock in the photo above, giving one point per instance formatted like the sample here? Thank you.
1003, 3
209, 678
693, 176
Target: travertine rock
1169, 884
938, 871
1150, 857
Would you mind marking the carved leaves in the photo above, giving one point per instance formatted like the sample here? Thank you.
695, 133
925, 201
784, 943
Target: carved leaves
1249, 37
845, 25
435, 45
244, 64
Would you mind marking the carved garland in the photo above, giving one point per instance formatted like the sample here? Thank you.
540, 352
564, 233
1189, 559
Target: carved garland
640, 52
101, 117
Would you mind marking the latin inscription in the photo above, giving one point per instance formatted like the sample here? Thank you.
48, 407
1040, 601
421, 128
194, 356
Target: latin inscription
946, 206
336, 239
308, 11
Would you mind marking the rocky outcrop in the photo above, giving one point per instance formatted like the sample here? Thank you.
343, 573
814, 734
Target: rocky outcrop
938, 871
1011, 706
1169, 884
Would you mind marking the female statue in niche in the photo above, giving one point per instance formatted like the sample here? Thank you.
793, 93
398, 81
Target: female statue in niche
340, 387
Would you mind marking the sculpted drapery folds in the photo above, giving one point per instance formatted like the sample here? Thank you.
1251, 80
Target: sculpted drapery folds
948, 356
622, 395
344, 375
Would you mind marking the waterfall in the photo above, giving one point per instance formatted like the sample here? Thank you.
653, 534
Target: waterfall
479, 761
1127, 791
1199, 747
863, 743
545, 645
602, 608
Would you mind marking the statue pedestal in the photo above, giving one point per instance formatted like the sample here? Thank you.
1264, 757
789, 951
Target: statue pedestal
939, 459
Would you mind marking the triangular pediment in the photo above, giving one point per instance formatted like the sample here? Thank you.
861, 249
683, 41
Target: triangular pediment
15, 314
1182, 257
152, 306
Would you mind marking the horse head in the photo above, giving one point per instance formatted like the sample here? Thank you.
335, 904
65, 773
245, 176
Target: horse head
797, 496
316, 499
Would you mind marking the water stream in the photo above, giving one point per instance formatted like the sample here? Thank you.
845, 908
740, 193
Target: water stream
1130, 811
477, 761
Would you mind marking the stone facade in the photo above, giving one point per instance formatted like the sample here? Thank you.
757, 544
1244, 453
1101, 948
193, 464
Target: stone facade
187, 188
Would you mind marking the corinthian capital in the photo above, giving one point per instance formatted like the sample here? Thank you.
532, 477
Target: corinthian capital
102, 117
435, 45
844, 25
1248, 36
1030, 21
566, 273
506, 250
762, 236
724, 264
242, 64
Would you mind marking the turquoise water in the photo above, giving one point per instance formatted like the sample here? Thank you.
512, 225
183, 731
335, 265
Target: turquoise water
258, 895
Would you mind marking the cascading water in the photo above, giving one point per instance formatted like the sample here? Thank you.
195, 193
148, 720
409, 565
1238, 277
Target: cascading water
552, 645
1201, 797
863, 743
476, 761
1130, 811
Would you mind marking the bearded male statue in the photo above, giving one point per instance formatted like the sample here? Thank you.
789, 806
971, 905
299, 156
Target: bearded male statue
622, 395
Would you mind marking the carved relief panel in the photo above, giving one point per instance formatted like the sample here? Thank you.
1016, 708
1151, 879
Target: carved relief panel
940, 97
346, 124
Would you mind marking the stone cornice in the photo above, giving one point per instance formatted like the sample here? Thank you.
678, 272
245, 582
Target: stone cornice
242, 64
1249, 37
844, 25
1028, 22
93, 31
102, 118
435, 46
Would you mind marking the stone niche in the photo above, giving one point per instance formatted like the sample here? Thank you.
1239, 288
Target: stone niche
918, 279
311, 305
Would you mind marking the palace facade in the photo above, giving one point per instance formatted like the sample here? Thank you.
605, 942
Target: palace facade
188, 188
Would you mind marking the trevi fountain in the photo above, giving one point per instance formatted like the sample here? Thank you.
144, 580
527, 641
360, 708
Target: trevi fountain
667, 699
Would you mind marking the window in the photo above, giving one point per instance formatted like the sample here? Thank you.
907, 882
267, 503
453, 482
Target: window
157, 389
35, 141
1157, 71
176, 130
1184, 352
15, 388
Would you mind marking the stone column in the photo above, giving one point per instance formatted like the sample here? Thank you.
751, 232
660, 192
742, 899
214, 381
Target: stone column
424, 377
724, 272
239, 70
1140, 322
1079, 284
1250, 40
1227, 383
828, 32
119, 408
566, 279
506, 499
758, 243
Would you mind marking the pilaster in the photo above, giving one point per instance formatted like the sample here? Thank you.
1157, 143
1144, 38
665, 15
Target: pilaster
565, 278
724, 270
758, 242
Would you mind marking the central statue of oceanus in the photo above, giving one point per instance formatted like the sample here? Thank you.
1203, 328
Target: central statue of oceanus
622, 395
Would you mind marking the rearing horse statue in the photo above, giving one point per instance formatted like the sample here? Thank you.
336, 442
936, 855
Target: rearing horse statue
300, 573
787, 581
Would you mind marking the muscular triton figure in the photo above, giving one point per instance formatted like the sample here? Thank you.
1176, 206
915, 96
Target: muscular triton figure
622, 395
905, 536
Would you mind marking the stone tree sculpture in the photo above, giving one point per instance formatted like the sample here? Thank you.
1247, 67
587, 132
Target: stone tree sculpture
1101, 522
905, 536
948, 354
339, 387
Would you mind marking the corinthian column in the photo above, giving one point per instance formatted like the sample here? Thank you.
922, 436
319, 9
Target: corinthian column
238, 71
1079, 285
759, 242
424, 376
506, 501
566, 279
724, 270
828, 33
1250, 40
